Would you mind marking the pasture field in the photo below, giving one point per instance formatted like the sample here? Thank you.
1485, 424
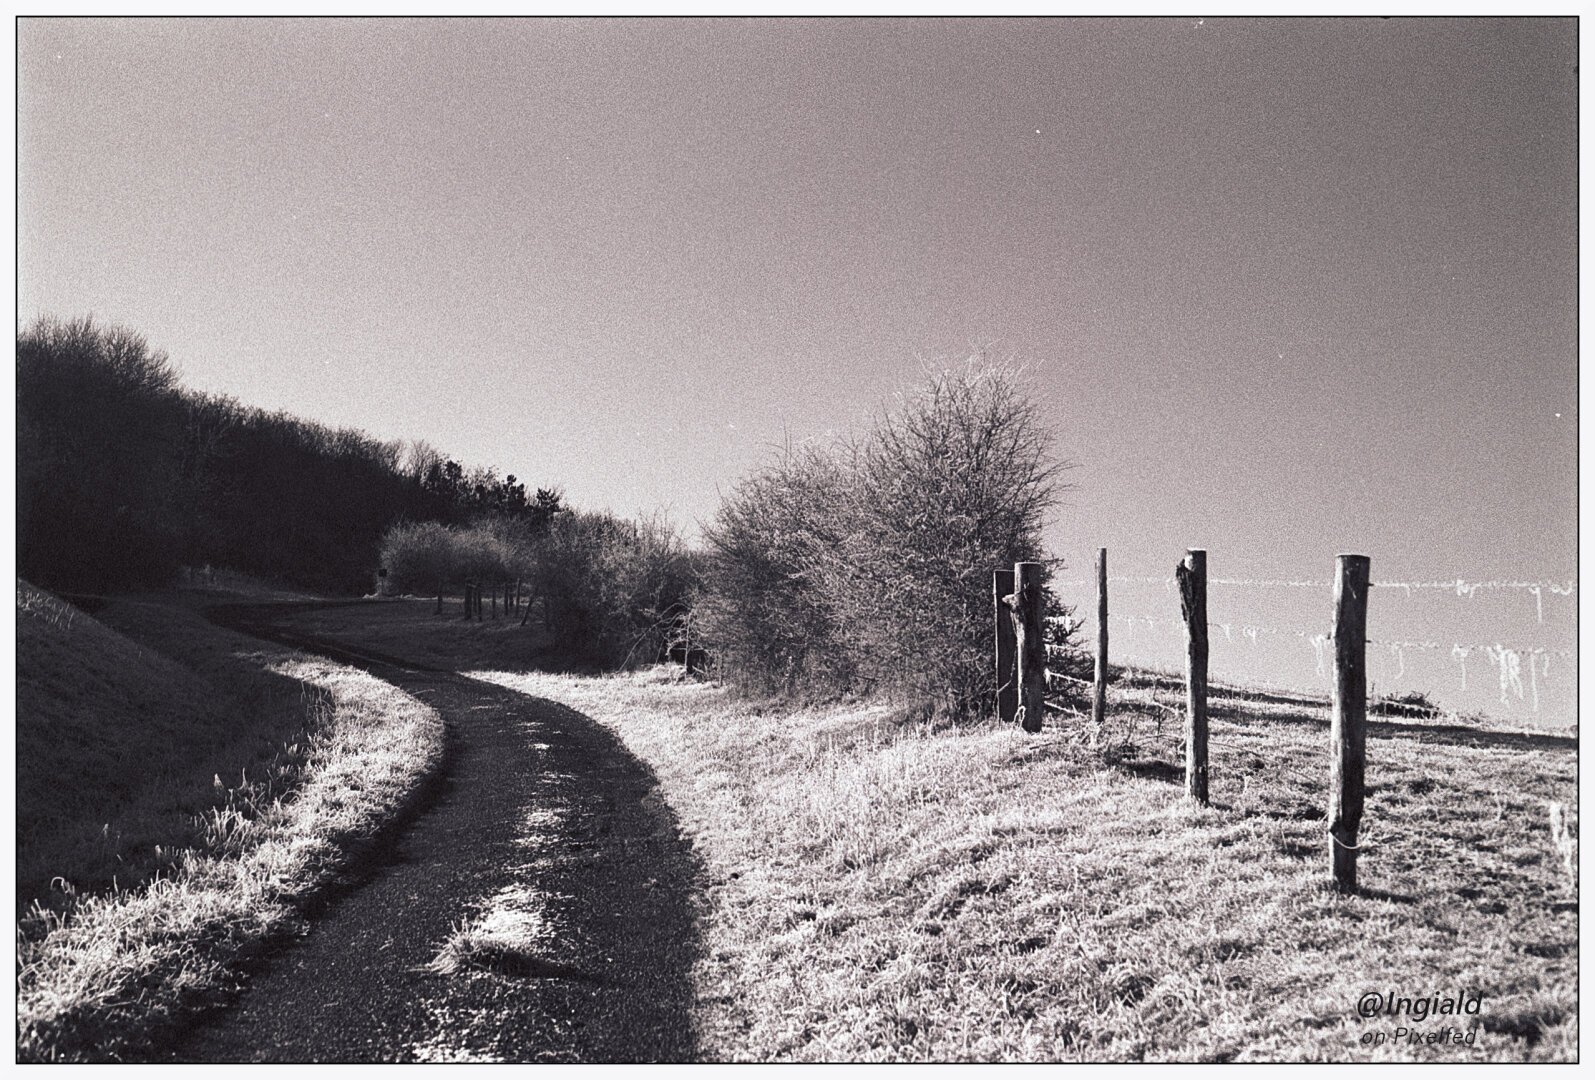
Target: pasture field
182, 792
880, 891
410, 627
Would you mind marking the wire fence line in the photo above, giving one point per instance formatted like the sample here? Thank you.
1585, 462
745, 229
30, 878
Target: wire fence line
1459, 586
1513, 664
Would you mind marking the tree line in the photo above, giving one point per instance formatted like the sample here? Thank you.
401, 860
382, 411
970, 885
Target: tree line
123, 475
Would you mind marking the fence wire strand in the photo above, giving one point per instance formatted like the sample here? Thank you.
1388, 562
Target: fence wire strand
1511, 662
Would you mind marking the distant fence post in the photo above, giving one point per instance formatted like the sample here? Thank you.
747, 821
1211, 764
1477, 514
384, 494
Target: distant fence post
440, 598
1192, 576
1099, 686
1007, 677
477, 592
494, 603
1030, 648
1348, 716
467, 601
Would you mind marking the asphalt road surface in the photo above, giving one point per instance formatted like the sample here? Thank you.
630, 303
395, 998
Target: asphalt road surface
538, 802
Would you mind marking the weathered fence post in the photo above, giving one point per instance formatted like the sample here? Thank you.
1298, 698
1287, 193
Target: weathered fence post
440, 598
1030, 649
467, 601
1099, 686
1192, 575
494, 603
1007, 678
1348, 716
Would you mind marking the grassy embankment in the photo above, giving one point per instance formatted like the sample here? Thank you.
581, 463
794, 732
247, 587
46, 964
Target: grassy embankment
880, 891
189, 789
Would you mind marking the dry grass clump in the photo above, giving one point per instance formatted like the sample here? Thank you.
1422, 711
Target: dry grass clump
102, 975
879, 891
513, 934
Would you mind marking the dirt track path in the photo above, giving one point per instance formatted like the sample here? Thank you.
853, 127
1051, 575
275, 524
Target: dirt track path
538, 801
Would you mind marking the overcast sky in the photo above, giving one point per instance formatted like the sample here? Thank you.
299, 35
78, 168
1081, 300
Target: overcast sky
1286, 288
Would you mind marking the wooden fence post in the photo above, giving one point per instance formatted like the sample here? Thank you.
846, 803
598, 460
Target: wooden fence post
478, 593
1029, 646
1192, 575
1348, 715
467, 601
1099, 687
440, 598
1007, 676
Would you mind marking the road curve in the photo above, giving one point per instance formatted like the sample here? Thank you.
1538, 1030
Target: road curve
538, 802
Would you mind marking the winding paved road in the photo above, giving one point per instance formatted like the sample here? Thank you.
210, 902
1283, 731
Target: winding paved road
540, 801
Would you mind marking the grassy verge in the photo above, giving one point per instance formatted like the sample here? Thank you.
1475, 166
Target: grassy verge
880, 891
192, 872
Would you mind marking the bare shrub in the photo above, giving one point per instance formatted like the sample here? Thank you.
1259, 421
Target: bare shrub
868, 564
765, 609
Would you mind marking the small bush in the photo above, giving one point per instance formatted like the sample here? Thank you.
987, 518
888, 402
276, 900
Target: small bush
1413, 704
614, 591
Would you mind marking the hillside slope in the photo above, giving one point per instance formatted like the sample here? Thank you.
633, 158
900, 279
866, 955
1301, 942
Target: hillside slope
183, 792
117, 744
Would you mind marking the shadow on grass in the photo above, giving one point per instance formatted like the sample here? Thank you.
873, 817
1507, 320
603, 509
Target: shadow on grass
1230, 704
1444, 734
1384, 895
1153, 769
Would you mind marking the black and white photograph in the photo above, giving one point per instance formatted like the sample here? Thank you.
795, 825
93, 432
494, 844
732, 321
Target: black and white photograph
822, 539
